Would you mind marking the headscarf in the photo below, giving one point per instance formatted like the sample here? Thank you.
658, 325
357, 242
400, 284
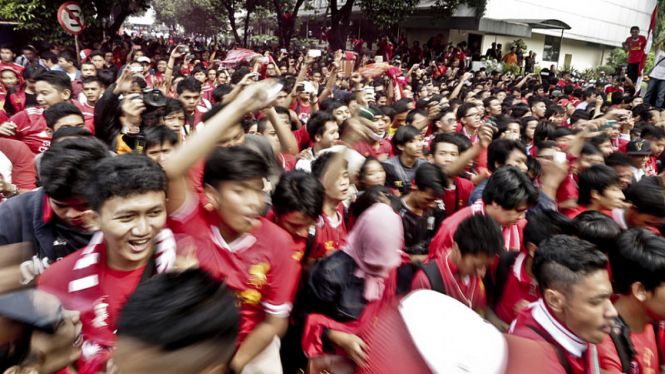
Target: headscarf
376, 240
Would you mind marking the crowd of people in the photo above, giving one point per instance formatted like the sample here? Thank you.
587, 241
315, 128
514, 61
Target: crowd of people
178, 208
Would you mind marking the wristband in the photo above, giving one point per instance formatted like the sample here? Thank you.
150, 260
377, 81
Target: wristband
169, 67
12, 194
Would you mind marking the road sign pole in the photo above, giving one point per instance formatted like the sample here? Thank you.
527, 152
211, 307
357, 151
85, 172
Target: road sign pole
78, 52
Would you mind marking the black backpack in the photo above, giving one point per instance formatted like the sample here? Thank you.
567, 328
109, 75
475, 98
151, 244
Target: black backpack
431, 270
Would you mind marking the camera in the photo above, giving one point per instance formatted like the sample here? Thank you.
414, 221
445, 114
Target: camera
152, 98
183, 49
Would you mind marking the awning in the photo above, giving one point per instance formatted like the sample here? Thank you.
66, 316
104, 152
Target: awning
547, 24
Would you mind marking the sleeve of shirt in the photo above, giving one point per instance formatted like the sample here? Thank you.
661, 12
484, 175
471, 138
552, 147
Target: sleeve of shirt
282, 280
188, 219
420, 281
302, 137
23, 171
608, 358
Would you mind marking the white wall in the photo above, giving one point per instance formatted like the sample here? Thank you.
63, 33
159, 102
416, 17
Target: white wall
598, 21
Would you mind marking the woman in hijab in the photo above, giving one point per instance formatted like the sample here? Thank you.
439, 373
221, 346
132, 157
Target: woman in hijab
346, 289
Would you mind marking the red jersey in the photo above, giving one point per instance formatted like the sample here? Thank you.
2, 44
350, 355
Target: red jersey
88, 115
519, 287
636, 49
287, 160
469, 291
259, 266
303, 111
302, 137
651, 168
31, 129
443, 240
458, 197
330, 237
385, 148
16, 67
23, 163
646, 353
207, 91
567, 190
579, 354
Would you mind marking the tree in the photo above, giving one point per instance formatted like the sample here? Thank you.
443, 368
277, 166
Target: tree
287, 14
195, 16
617, 58
38, 18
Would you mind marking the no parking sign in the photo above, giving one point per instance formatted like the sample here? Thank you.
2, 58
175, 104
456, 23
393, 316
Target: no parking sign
70, 17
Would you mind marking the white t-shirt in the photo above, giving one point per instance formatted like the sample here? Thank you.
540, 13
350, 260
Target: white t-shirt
5, 168
658, 71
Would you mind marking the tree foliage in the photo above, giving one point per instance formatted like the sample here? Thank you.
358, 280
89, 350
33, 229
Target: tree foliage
195, 16
38, 18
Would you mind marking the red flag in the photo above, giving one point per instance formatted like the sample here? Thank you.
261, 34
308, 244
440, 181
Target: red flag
647, 48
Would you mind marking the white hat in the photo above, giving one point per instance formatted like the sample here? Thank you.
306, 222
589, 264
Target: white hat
143, 59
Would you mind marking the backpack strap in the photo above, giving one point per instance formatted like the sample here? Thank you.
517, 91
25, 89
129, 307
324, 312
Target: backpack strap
431, 270
624, 357
559, 352
623, 344
506, 261
309, 245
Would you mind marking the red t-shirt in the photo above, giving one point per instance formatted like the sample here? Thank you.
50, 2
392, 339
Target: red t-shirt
646, 353
88, 115
651, 168
302, 137
303, 111
519, 286
469, 291
23, 163
287, 160
329, 237
636, 48
31, 129
118, 285
385, 147
567, 190
16, 67
259, 266
458, 197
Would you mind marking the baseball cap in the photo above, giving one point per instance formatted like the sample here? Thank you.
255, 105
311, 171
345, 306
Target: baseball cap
143, 59
638, 147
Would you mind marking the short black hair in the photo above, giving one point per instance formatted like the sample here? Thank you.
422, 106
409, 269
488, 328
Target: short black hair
640, 257
544, 224
560, 132
212, 315
233, 164
173, 106
298, 191
32, 71
95, 53
106, 76
373, 195
479, 234
651, 132
431, 177
58, 79
403, 135
647, 199
70, 131
220, 91
412, 115
445, 138
316, 124
591, 148
158, 135
68, 57
596, 178
619, 159
509, 187
322, 160
562, 261
66, 167
499, 150
189, 84
598, 229
55, 112
93, 79
401, 106
123, 176
464, 109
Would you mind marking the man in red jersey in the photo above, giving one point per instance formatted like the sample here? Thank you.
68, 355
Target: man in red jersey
128, 195
253, 255
508, 195
634, 45
638, 268
444, 151
7, 58
478, 240
574, 312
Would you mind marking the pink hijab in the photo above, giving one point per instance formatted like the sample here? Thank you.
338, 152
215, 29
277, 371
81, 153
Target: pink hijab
376, 241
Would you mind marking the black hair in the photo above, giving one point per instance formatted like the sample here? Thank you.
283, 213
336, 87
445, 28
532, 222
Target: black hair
479, 234
524, 123
509, 187
57, 111
362, 171
618, 159
123, 176
652, 132
445, 138
212, 315
431, 177
598, 229
239, 74
388, 111
173, 106
544, 224
401, 106
560, 132
533, 100
579, 115
403, 135
220, 91
233, 164
189, 84
32, 71
330, 105
595, 143
373, 195
617, 97
635, 28
412, 115
544, 131
106, 76
58, 79
642, 110
158, 135
66, 166
499, 150
562, 261
92, 79
95, 53
322, 160
79, 132
464, 109
639, 257
647, 199
68, 57
316, 124
554, 109
596, 178
247, 124
298, 191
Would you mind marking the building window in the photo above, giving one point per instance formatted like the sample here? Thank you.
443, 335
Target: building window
552, 48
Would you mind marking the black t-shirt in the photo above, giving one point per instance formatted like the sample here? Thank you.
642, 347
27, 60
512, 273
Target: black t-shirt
419, 230
30, 101
400, 176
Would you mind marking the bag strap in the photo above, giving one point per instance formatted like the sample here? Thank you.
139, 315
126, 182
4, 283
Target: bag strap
503, 270
559, 352
149, 270
623, 344
621, 351
309, 245
431, 270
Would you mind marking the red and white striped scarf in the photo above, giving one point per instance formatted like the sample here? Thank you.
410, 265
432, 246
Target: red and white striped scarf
511, 234
86, 295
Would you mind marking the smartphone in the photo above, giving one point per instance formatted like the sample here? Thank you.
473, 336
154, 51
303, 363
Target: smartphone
191, 56
183, 49
314, 53
560, 157
256, 77
308, 87
283, 50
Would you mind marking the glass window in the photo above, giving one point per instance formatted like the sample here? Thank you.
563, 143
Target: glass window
552, 48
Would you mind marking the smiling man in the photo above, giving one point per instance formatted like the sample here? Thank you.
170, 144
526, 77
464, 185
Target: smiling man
574, 312
128, 196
